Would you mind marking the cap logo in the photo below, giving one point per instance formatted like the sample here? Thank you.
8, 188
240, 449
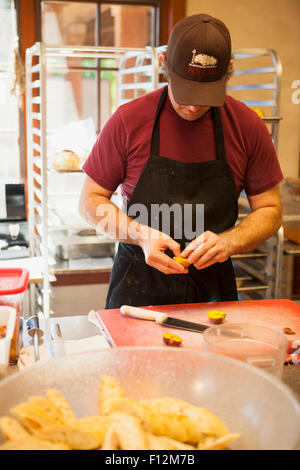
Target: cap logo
203, 60
202, 64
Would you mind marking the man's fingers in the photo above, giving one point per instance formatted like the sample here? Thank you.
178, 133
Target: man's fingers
193, 245
207, 257
165, 264
206, 265
174, 247
155, 256
201, 250
202, 243
214, 255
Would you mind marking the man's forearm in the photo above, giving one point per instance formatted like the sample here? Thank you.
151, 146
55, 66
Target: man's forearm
257, 227
108, 219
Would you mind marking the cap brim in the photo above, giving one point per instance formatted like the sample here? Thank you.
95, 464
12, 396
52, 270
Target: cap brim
192, 93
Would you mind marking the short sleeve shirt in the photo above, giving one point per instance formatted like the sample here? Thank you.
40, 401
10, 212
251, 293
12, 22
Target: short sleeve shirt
123, 147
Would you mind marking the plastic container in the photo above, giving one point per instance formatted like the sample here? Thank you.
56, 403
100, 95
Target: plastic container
257, 345
13, 285
290, 198
7, 320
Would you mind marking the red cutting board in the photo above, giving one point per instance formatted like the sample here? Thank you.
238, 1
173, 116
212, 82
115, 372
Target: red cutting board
127, 331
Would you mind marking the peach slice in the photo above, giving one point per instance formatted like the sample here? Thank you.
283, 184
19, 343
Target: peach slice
172, 340
216, 316
184, 261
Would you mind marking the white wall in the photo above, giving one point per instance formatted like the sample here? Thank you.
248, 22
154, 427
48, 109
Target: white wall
272, 24
78, 300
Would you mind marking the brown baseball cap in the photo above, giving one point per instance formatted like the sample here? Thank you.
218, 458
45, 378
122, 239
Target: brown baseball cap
198, 56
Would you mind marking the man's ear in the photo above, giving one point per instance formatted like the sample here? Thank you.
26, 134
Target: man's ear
229, 72
163, 60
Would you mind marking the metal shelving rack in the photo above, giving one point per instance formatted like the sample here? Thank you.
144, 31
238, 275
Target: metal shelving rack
264, 68
290, 251
256, 81
45, 230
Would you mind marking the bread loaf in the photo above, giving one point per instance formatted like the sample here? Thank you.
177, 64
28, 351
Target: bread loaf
66, 160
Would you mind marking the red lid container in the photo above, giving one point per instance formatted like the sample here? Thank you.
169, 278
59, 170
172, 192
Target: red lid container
13, 285
13, 281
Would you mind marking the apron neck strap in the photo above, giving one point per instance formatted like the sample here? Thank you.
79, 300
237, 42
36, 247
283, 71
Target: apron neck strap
155, 138
218, 129
219, 135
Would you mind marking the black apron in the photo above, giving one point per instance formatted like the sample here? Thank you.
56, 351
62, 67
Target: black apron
167, 181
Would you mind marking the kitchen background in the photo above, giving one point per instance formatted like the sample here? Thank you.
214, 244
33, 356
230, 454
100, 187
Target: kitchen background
83, 92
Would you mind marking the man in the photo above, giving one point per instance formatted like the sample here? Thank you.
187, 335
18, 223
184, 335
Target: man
187, 145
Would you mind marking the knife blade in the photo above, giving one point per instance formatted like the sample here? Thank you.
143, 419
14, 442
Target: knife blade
161, 318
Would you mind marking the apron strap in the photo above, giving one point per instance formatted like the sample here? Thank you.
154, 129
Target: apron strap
219, 135
155, 138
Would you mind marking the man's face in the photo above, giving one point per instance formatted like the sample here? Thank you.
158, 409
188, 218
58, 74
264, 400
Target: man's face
189, 113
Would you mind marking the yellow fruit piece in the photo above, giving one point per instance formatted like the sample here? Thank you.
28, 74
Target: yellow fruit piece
259, 112
172, 340
184, 261
216, 316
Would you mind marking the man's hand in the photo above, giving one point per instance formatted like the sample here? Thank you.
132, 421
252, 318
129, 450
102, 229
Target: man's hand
207, 249
117, 225
258, 226
154, 245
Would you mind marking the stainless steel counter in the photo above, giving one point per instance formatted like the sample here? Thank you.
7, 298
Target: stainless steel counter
85, 265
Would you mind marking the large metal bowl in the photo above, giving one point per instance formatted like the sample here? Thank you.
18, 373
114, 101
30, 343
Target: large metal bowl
254, 403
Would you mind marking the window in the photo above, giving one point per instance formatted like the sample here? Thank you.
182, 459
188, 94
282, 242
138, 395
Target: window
93, 23
79, 89
10, 170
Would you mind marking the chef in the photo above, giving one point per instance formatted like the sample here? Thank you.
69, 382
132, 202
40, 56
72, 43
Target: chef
190, 148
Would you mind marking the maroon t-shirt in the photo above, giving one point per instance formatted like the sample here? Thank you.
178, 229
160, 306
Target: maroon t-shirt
123, 147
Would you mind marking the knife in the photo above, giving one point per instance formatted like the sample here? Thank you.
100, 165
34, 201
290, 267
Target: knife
161, 318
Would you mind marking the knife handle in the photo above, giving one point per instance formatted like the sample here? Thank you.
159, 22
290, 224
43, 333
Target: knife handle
143, 313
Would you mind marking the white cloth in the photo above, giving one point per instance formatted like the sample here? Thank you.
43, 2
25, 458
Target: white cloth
92, 343
76, 346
